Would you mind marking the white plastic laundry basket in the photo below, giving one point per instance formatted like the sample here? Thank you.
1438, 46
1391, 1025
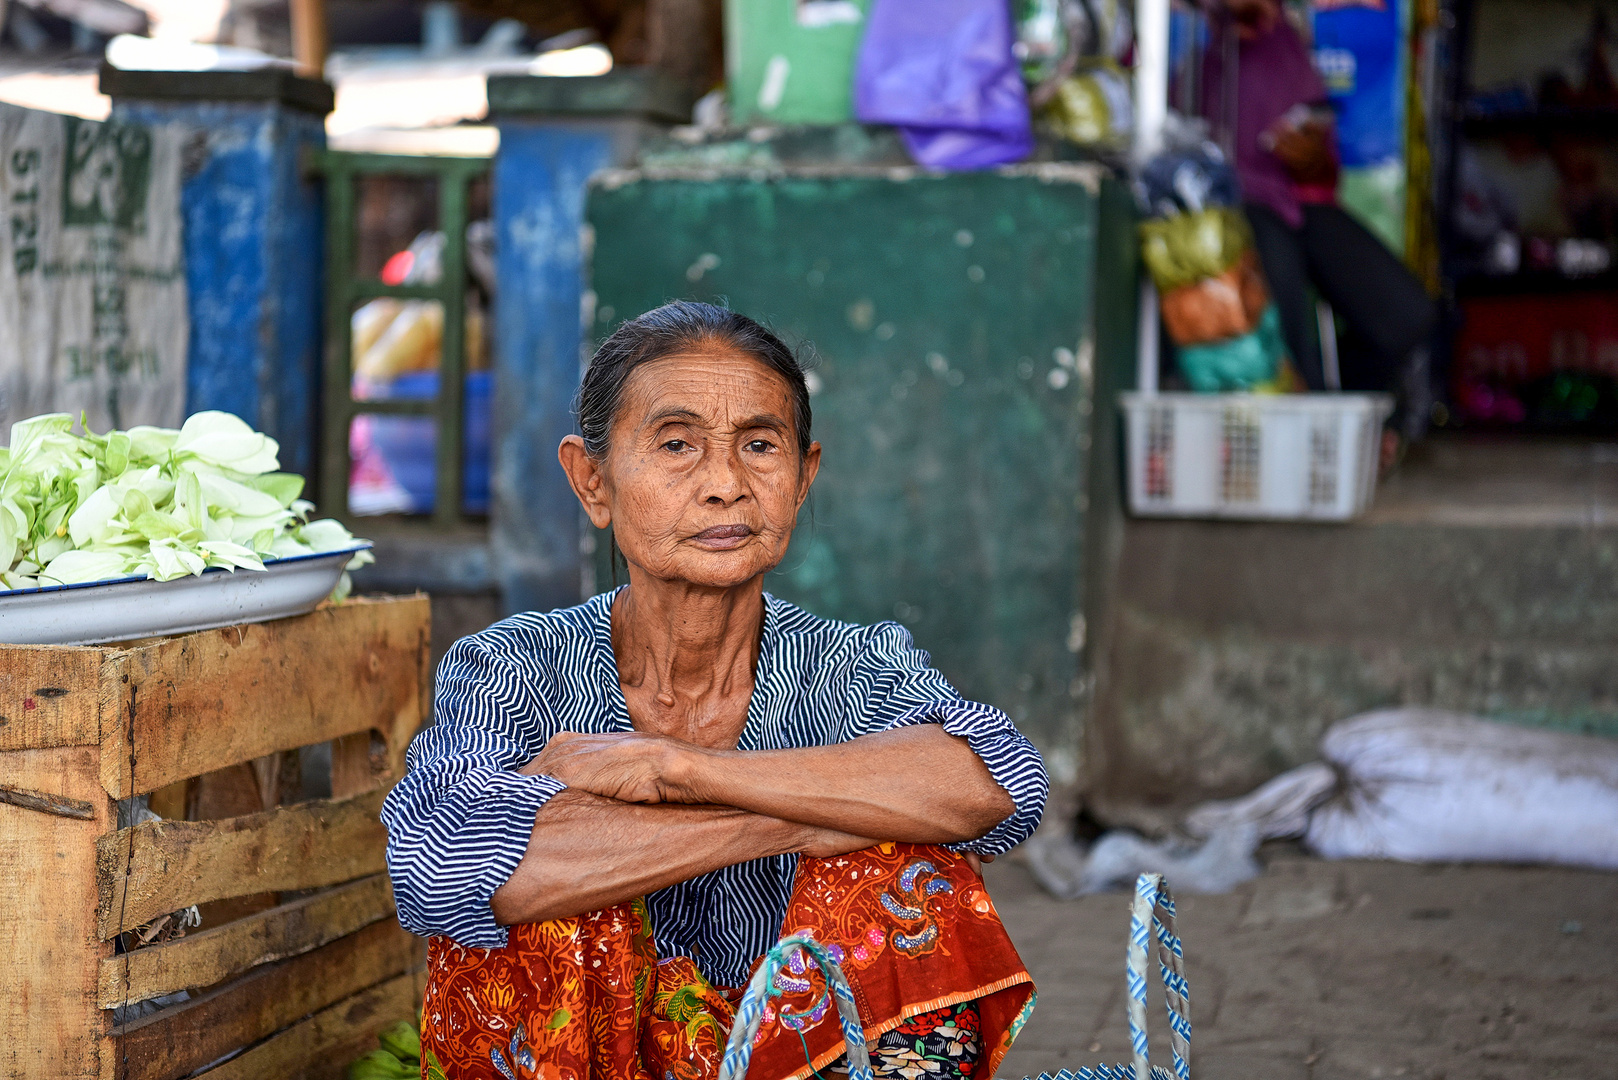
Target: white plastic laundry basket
1278, 456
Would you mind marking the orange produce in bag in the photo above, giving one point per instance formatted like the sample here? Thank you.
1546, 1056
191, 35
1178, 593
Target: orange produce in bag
1217, 308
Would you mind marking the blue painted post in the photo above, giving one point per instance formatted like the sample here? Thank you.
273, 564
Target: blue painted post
254, 245
554, 133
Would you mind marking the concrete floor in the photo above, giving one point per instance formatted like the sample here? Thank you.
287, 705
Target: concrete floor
1327, 971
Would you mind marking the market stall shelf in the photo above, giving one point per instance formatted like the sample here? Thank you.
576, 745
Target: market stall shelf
299, 959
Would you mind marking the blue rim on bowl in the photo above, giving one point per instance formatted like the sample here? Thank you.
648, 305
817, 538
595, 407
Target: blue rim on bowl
363, 545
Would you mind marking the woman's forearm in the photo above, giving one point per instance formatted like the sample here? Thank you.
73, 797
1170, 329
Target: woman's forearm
917, 784
588, 852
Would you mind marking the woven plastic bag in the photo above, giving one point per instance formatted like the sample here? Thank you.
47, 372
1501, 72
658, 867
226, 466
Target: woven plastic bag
1152, 918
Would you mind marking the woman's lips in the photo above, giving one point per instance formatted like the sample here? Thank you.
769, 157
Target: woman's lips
721, 537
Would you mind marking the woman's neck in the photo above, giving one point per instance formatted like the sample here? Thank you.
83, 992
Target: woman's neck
686, 654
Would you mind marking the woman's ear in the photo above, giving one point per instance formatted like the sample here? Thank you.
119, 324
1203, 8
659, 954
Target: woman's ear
809, 470
588, 481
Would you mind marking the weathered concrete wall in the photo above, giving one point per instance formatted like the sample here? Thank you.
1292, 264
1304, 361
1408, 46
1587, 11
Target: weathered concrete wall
1232, 646
960, 336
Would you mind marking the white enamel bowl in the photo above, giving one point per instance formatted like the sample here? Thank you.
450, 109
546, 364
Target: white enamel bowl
138, 607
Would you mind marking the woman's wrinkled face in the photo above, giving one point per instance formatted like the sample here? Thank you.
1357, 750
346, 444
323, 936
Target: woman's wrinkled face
703, 478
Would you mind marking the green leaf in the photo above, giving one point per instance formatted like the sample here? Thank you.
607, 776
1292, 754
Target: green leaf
135, 502
225, 553
283, 487
326, 535
116, 456
156, 525
151, 444
155, 501
377, 1065
237, 498
74, 567
558, 1019
93, 519
401, 1040
225, 440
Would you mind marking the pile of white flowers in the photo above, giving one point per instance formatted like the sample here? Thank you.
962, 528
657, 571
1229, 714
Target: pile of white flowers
150, 502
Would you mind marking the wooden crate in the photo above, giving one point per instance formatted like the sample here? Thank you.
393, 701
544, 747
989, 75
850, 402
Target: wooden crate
305, 979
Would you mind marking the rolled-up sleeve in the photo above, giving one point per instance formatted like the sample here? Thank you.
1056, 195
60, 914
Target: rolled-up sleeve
894, 684
460, 820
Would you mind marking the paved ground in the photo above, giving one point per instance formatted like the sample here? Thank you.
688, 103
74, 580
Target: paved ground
1327, 971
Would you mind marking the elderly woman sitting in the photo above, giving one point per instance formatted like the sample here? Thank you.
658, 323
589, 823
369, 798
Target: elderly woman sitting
624, 804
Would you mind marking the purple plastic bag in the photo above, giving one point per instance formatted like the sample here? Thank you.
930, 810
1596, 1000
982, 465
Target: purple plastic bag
942, 71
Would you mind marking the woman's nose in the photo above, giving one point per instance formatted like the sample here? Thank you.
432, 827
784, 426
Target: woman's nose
724, 481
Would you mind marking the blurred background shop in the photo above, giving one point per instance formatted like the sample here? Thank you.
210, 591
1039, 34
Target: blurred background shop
1116, 274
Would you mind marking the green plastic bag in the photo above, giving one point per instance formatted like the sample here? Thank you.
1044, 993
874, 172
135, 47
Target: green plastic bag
1240, 363
1187, 248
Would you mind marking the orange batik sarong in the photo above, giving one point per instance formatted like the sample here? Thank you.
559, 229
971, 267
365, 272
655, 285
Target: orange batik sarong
587, 998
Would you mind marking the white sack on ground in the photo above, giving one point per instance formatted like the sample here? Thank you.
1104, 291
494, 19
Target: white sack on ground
1117, 858
1429, 786
1420, 785
1278, 810
92, 282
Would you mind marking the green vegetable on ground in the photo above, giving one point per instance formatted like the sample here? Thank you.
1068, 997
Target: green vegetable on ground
402, 1040
153, 502
380, 1065
399, 1056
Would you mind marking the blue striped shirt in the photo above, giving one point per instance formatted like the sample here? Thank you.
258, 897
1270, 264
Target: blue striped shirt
459, 821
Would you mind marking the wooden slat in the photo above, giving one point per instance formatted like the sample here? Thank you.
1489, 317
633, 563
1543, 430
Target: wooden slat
359, 763
49, 696
184, 1038
199, 702
321, 1047
212, 956
45, 802
163, 866
49, 947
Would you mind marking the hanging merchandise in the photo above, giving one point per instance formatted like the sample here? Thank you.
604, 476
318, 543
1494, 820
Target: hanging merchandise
1251, 361
943, 73
1359, 50
1044, 38
1187, 178
1071, 53
1092, 109
1188, 247
1225, 305
1199, 250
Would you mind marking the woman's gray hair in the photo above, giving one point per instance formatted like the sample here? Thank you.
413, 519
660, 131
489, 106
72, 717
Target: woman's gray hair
679, 327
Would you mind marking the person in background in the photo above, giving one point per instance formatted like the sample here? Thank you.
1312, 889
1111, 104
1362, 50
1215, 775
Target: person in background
1285, 152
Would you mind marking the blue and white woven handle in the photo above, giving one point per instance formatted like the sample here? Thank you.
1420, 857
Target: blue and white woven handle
1154, 909
1153, 916
762, 986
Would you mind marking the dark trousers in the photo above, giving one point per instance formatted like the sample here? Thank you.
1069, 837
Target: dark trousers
1386, 311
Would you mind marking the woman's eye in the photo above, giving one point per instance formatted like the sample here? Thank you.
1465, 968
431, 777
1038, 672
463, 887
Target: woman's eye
676, 445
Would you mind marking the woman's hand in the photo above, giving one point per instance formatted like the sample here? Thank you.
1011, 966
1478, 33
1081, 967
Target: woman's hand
1306, 151
629, 766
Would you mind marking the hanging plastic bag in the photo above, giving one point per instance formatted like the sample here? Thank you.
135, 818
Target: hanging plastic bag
1093, 108
1187, 247
1248, 362
1225, 305
943, 73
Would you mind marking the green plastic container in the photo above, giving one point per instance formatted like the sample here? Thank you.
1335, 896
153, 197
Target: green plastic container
792, 61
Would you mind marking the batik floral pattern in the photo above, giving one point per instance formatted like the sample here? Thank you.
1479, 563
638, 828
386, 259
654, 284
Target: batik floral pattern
587, 999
